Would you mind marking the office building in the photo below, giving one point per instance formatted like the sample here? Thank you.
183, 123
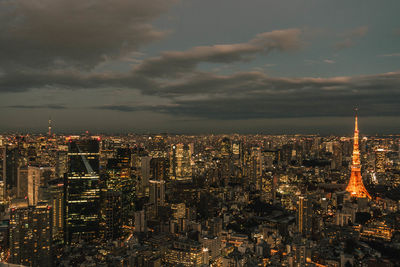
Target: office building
30, 234
82, 192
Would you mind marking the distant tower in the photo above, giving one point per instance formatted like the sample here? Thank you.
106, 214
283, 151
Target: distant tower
356, 186
49, 126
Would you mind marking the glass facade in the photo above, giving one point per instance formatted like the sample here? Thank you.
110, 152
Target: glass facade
82, 190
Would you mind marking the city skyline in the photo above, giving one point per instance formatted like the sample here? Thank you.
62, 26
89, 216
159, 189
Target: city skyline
160, 66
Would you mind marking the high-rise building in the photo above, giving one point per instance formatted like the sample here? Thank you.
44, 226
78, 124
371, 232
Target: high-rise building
111, 219
61, 163
356, 186
158, 168
226, 148
22, 191
380, 160
143, 189
304, 215
337, 157
37, 179
270, 158
2, 164
82, 192
157, 192
140, 221
34, 174
11, 168
30, 234
120, 179
56, 197
180, 162
256, 168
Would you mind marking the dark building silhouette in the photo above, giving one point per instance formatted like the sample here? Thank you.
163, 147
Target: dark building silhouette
82, 191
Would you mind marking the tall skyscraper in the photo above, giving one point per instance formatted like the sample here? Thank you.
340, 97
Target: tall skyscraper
336, 155
82, 192
158, 168
111, 217
30, 234
56, 196
2, 164
380, 160
303, 218
11, 168
256, 168
120, 179
32, 181
143, 189
22, 191
140, 221
157, 192
34, 174
180, 162
356, 186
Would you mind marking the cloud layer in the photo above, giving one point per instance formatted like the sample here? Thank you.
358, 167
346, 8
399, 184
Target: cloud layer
350, 37
175, 63
59, 33
113, 31
251, 95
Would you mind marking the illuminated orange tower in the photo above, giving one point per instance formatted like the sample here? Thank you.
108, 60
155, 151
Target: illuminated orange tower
356, 186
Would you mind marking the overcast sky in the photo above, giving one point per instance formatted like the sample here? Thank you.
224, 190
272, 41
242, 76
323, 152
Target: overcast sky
209, 66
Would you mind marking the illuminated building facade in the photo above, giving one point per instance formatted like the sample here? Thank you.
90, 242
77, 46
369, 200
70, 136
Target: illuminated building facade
157, 192
111, 217
158, 168
22, 190
120, 179
180, 162
377, 231
34, 174
256, 168
2, 163
56, 195
82, 193
226, 149
186, 253
30, 234
303, 210
380, 160
356, 186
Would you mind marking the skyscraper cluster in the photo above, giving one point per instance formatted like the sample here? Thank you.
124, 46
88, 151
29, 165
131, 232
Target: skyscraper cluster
199, 200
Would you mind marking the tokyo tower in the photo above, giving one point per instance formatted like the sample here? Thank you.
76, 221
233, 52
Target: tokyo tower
356, 186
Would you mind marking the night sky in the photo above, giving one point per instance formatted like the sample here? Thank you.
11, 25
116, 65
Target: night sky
209, 66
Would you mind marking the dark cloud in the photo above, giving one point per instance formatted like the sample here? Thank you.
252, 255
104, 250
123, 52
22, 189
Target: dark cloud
24, 81
255, 95
123, 108
175, 63
173, 76
48, 106
48, 33
169, 64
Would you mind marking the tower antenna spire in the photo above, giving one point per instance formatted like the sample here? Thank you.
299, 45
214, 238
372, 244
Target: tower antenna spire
356, 119
49, 126
356, 186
